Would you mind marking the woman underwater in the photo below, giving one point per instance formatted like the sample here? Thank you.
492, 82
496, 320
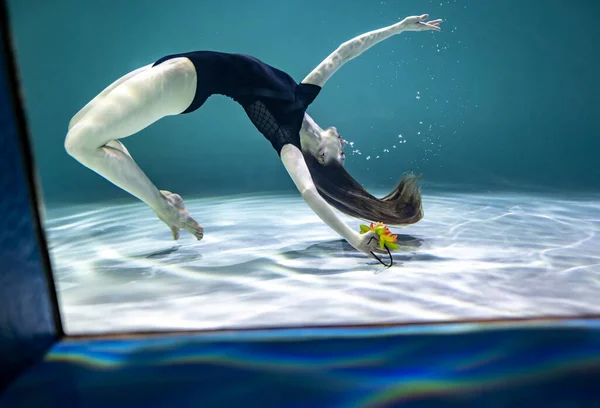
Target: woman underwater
276, 105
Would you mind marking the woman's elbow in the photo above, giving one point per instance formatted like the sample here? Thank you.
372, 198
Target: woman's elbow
309, 193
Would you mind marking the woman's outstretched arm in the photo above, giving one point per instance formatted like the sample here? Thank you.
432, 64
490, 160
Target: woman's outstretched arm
293, 160
356, 46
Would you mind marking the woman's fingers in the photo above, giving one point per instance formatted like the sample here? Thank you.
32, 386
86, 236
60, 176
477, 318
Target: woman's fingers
430, 26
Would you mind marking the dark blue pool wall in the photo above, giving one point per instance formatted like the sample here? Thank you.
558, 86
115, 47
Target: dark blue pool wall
29, 320
551, 365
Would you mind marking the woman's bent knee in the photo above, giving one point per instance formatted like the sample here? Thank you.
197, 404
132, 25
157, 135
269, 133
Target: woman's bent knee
77, 141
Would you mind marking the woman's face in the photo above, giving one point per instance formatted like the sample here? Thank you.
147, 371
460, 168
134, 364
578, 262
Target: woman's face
331, 147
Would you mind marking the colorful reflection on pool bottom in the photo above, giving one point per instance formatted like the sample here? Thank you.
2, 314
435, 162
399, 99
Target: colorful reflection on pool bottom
494, 365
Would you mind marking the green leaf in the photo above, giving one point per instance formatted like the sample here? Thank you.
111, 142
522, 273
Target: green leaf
379, 230
392, 246
381, 243
364, 228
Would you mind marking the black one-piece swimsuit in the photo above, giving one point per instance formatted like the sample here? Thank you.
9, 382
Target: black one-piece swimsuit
273, 101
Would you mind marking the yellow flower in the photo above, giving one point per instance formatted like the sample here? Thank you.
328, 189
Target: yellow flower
386, 238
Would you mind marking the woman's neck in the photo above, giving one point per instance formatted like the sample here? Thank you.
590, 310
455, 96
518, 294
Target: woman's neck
310, 134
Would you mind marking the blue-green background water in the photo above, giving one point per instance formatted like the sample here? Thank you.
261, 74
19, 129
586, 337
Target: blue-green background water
508, 90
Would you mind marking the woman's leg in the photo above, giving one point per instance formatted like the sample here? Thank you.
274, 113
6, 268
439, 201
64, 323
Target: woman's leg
105, 92
131, 105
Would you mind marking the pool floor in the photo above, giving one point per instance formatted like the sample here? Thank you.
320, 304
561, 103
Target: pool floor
269, 261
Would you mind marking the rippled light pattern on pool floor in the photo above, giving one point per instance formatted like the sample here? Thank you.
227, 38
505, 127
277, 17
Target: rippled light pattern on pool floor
269, 261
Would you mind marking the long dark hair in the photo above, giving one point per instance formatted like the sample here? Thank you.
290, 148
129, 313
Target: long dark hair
400, 207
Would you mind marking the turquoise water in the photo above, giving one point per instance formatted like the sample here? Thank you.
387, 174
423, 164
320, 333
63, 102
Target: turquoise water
497, 112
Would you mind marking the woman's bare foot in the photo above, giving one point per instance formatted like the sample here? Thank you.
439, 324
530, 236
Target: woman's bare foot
177, 217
